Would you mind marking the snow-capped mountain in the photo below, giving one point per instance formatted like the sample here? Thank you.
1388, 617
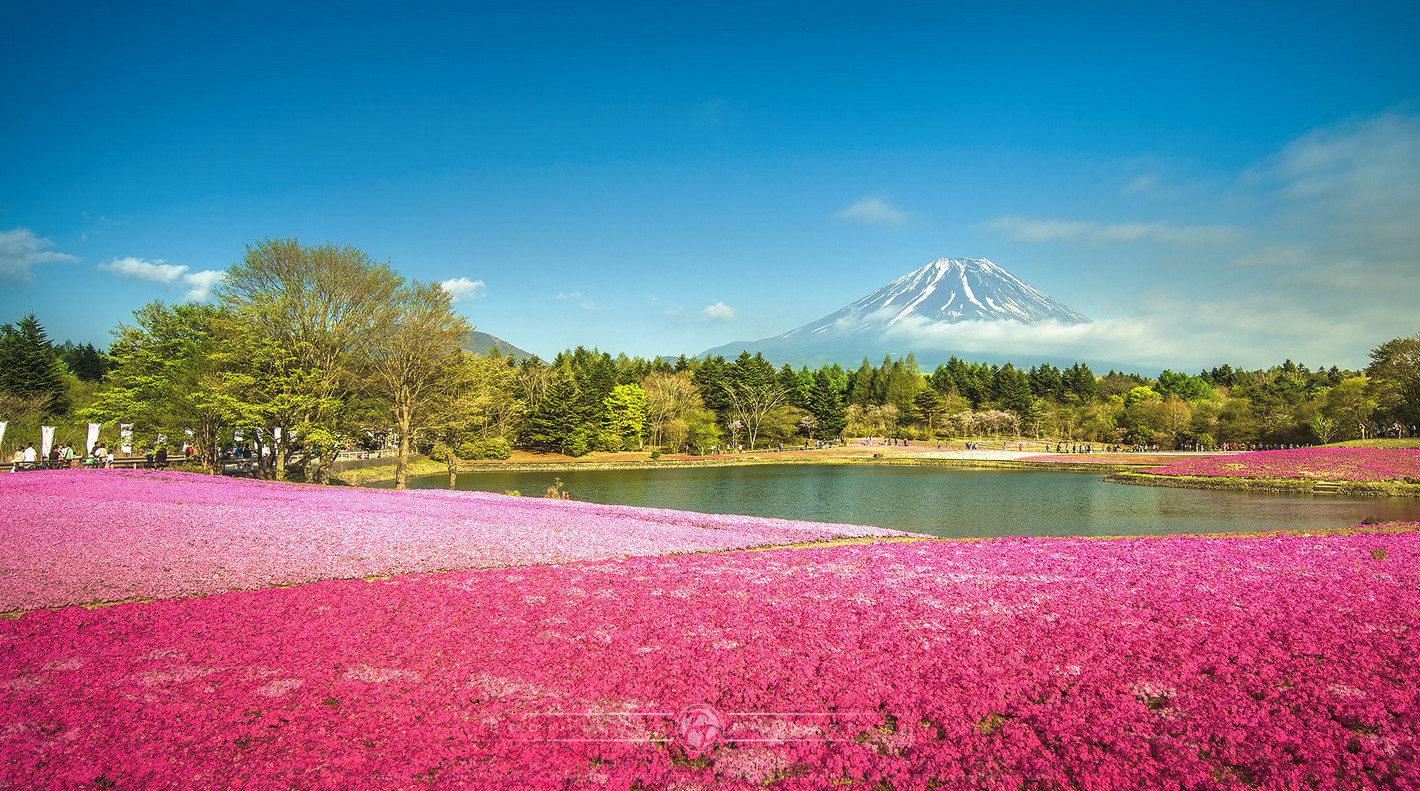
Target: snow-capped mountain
944, 292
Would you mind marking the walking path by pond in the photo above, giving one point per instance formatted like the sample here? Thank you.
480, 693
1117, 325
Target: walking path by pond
940, 501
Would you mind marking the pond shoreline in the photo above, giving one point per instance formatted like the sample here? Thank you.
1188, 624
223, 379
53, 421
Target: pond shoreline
1276, 485
422, 467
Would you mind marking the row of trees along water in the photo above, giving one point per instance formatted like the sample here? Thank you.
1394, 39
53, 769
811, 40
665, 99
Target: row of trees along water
336, 349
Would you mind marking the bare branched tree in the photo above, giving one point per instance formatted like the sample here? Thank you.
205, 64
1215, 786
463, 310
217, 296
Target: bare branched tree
750, 402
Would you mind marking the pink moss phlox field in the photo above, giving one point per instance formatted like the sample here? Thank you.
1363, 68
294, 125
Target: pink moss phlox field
1323, 464
70, 537
1181, 663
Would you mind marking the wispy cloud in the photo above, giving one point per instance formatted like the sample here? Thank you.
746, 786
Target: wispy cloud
461, 288
20, 250
1352, 190
200, 284
1145, 183
573, 295
1023, 229
718, 312
130, 268
156, 271
872, 210
102, 219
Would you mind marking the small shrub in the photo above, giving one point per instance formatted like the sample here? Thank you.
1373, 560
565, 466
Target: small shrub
513, 493
495, 448
556, 492
655, 454
1379, 554
577, 444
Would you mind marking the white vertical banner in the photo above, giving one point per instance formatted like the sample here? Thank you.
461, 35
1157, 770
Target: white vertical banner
93, 436
46, 438
3, 424
125, 438
276, 432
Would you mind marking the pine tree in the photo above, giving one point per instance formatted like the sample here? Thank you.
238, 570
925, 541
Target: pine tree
552, 426
29, 366
826, 404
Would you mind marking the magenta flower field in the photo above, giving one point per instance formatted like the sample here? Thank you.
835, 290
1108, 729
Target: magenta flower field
1182, 663
1323, 464
77, 536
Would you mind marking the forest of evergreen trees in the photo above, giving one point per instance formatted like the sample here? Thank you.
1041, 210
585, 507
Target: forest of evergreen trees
588, 401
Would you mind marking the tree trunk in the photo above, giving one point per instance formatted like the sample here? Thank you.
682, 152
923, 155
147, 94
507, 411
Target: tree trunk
453, 471
401, 465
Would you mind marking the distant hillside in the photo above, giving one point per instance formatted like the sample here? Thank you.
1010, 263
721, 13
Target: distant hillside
482, 342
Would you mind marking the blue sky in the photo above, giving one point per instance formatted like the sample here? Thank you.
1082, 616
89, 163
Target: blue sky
1211, 182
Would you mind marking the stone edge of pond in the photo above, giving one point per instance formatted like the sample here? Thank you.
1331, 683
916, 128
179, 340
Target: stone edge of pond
1266, 485
372, 475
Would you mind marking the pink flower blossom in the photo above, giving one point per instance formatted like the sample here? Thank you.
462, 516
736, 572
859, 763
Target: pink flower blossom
71, 537
1323, 464
1229, 663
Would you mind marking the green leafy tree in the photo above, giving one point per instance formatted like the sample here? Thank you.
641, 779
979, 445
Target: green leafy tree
181, 368
408, 355
317, 307
624, 417
1395, 377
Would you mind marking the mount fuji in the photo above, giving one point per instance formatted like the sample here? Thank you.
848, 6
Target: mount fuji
945, 292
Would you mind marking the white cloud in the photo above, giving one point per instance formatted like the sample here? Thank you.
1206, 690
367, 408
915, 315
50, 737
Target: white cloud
573, 295
461, 288
871, 210
1041, 231
589, 305
199, 283
20, 249
1205, 335
718, 312
1352, 189
130, 268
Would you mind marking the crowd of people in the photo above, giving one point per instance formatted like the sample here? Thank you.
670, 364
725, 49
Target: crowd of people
62, 456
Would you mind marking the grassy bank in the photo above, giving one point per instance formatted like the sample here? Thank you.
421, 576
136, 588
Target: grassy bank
1273, 485
374, 475
1407, 443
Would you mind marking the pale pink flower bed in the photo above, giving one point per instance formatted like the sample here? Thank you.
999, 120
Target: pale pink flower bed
1324, 464
76, 536
1185, 663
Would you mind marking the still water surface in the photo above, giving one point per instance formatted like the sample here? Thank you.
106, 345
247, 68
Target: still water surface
945, 501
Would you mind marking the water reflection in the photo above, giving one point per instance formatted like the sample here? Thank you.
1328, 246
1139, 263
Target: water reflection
946, 501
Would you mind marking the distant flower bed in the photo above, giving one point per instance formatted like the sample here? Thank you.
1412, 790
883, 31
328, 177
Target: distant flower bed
1020, 663
1323, 464
1102, 458
69, 537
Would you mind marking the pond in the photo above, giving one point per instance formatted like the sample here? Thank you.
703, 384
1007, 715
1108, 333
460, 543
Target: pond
945, 501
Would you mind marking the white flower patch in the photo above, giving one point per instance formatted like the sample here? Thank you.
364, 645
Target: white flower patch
278, 688
377, 675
